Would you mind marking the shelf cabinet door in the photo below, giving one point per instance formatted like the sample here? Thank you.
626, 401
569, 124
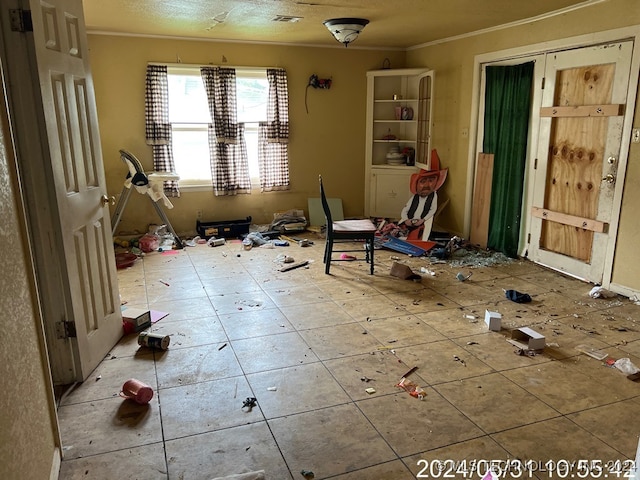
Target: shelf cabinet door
389, 193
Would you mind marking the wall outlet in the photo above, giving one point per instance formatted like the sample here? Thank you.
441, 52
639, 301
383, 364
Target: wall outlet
635, 135
465, 133
199, 214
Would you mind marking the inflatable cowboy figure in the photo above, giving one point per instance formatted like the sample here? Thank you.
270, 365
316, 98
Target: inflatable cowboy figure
417, 214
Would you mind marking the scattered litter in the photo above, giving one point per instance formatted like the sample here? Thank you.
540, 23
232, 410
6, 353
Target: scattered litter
599, 292
493, 320
411, 388
403, 271
462, 277
427, 271
222, 346
282, 258
345, 256
272, 389
291, 266
527, 339
370, 390
137, 391
164, 283
471, 317
216, 242
458, 359
473, 343
366, 379
517, 297
249, 403
625, 365
98, 377
592, 352
524, 352
634, 377
553, 344
154, 340
308, 474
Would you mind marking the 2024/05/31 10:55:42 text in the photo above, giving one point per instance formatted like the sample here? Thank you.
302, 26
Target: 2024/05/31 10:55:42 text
491, 469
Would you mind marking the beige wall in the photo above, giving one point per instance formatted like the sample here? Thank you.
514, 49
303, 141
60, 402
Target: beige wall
329, 140
27, 418
453, 63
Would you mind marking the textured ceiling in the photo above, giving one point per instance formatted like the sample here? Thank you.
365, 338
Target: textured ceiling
393, 23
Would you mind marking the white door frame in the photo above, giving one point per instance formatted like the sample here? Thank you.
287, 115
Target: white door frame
627, 33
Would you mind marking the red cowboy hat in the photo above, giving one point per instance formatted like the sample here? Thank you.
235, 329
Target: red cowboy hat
434, 171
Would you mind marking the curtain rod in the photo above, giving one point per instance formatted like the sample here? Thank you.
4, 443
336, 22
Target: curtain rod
193, 65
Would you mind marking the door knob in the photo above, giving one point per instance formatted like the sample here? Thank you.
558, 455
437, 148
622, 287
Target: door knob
609, 178
107, 200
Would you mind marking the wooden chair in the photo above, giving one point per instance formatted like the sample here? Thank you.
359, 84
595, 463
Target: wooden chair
346, 231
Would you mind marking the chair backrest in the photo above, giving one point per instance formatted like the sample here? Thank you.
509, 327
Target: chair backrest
325, 206
136, 172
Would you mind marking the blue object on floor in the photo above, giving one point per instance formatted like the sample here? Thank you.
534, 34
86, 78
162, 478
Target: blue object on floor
401, 246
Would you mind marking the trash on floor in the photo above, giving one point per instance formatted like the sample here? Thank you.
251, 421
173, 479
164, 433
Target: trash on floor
257, 475
154, 340
216, 242
493, 320
592, 352
626, 366
517, 297
135, 320
410, 387
157, 315
458, 359
249, 403
599, 292
404, 272
291, 266
527, 339
289, 221
308, 474
370, 390
137, 391
346, 256
462, 277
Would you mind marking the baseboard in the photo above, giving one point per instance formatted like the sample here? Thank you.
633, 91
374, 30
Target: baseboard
632, 294
55, 464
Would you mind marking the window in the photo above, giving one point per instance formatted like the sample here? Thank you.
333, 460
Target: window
189, 117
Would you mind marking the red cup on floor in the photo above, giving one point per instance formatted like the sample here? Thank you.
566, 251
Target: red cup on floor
137, 391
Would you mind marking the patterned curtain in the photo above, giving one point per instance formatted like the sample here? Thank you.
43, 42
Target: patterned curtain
227, 147
158, 128
273, 135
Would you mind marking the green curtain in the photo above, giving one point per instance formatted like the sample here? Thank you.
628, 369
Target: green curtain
506, 125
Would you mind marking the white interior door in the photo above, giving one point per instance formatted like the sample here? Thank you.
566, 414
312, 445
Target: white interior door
66, 189
579, 147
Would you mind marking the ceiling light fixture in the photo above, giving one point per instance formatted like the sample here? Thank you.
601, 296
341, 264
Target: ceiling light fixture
345, 30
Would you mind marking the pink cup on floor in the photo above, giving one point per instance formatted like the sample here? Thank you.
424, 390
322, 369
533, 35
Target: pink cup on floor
137, 391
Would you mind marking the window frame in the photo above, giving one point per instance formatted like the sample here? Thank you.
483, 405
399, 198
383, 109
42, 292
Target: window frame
251, 128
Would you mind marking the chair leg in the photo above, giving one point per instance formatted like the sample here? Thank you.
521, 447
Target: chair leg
328, 249
372, 250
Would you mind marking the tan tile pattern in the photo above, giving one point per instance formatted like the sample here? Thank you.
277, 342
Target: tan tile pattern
307, 346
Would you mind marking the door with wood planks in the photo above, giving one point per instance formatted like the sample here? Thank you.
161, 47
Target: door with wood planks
581, 122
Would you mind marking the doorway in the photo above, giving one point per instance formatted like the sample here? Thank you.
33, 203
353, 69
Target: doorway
539, 205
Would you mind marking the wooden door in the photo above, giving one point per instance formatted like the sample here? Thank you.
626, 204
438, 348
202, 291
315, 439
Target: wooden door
65, 185
580, 140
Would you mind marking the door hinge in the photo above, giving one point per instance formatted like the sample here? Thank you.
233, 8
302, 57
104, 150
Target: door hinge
528, 238
66, 329
20, 20
535, 164
543, 79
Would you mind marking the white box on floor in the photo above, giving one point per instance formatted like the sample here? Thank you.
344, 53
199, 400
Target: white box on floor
493, 320
527, 338
137, 317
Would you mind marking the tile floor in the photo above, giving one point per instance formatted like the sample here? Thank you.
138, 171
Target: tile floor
301, 342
